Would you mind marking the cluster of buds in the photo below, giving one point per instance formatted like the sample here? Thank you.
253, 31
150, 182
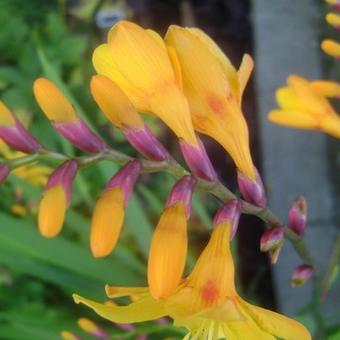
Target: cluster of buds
330, 46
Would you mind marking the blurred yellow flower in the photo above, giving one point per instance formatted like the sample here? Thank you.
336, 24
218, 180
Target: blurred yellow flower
206, 302
137, 61
214, 90
331, 47
302, 106
333, 19
326, 88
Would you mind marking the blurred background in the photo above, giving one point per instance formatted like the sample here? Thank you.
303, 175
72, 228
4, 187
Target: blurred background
56, 39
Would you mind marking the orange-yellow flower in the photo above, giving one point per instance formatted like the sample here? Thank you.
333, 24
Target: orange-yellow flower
206, 302
137, 61
302, 106
214, 91
326, 88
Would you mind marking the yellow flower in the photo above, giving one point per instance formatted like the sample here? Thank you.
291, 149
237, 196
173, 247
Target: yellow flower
331, 47
214, 90
301, 106
206, 302
138, 62
326, 88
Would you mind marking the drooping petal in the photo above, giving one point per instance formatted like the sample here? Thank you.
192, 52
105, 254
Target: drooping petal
326, 88
331, 125
119, 291
298, 119
277, 324
144, 309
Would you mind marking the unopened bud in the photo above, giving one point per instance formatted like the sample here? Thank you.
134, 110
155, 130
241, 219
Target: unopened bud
198, 161
334, 4
64, 118
297, 216
109, 212
92, 328
272, 241
66, 335
252, 190
168, 249
301, 275
331, 47
14, 134
4, 171
334, 20
229, 213
56, 199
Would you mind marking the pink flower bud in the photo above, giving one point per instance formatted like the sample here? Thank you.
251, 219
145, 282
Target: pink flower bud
230, 213
182, 192
297, 216
252, 190
272, 241
80, 135
4, 171
144, 141
301, 275
125, 179
14, 134
198, 161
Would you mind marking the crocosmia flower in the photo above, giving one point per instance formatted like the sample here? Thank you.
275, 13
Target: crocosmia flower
137, 60
206, 302
302, 106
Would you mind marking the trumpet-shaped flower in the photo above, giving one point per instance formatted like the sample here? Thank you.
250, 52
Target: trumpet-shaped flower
118, 108
206, 302
301, 106
137, 60
56, 198
214, 91
64, 118
108, 215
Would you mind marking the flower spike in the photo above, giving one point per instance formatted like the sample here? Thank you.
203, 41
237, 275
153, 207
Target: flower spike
272, 241
64, 118
297, 216
56, 199
14, 134
118, 108
230, 213
108, 215
301, 275
4, 171
169, 243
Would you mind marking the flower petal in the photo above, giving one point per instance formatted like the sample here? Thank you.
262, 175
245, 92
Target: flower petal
244, 72
326, 88
298, 119
288, 99
119, 291
331, 125
144, 309
277, 324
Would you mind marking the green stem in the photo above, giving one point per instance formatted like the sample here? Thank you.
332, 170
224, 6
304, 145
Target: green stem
215, 188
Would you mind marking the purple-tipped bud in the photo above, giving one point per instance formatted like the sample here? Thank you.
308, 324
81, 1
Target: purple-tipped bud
335, 4
80, 135
229, 212
64, 175
92, 328
182, 192
297, 216
14, 134
252, 190
301, 275
272, 241
125, 179
4, 171
144, 141
198, 161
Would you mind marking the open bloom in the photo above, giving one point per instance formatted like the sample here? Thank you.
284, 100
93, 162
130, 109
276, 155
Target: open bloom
206, 302
301, 106
214, 91
137, 60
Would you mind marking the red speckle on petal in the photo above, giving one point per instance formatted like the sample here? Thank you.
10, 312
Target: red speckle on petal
209, 293
215, 103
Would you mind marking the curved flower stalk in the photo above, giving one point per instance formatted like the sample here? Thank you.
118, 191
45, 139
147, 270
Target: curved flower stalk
118, 108
206, 302
302, 106
214, 90
64, 118
109, 212
138, 62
